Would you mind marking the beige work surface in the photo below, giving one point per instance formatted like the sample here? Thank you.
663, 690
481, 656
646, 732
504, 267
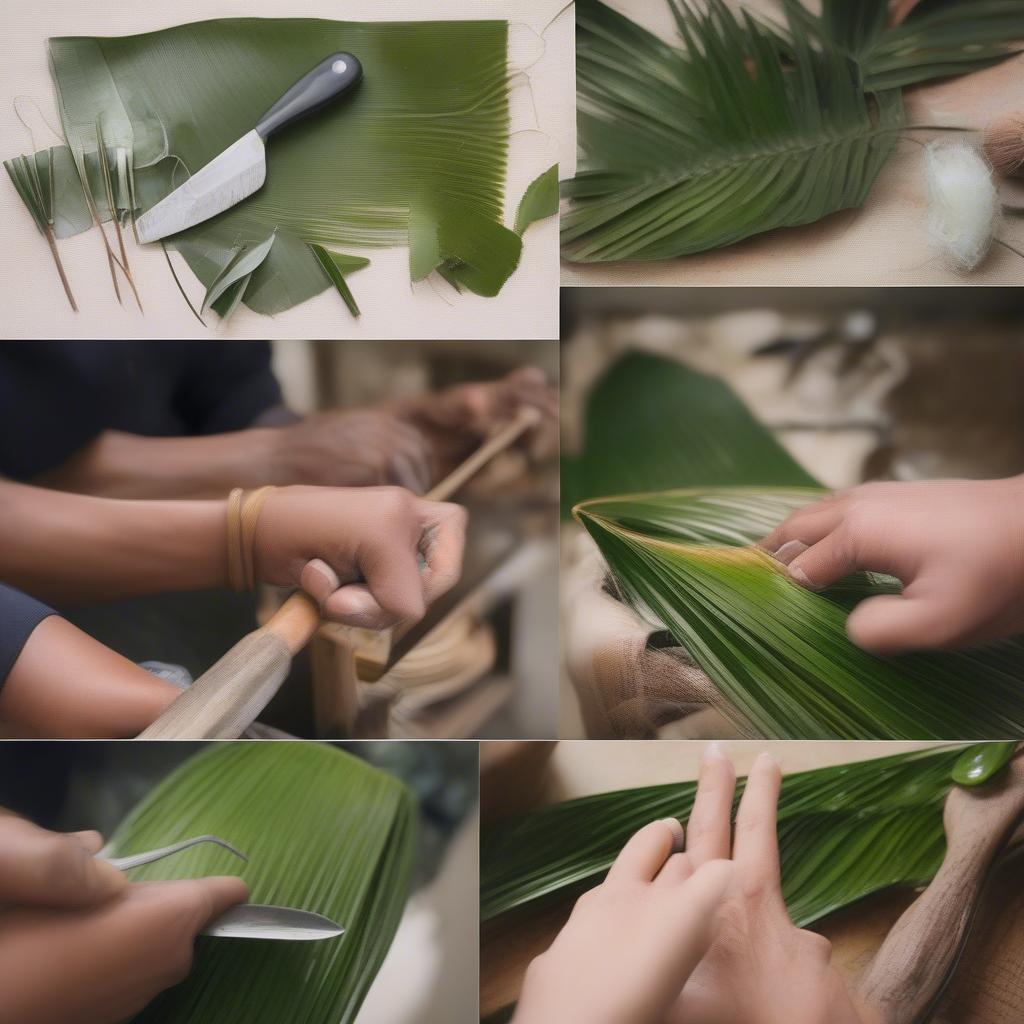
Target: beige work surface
543, 132
880, 245
988, 987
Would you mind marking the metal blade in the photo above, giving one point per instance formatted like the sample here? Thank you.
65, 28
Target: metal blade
253, 921
227, 179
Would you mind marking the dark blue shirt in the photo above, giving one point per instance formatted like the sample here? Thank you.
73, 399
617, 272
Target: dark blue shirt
19, 616
58, 396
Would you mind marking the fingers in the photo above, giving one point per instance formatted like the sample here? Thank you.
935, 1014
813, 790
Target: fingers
756, 845
215, 895
319, 580
929, 615
48, 869
91, 840
826, 561
709, 830
677, 869
699, 900
444, 540
646, 852
807, 525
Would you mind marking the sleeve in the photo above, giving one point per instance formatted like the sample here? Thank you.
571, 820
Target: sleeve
227, 385
19, 616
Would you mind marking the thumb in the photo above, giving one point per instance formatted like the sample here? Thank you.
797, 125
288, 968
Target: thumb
914, 621
211, 897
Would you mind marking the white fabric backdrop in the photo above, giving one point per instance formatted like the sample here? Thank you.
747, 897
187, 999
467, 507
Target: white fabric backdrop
32, 300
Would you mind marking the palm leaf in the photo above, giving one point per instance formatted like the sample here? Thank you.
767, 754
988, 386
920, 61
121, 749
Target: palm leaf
778, 652
744, 130
653, 423
845, 832
938, 39
416, 155
324, 832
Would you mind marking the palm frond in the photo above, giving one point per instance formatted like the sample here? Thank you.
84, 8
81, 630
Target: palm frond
939, 38
845, 831
323, 831
652, 423
742, 131
778, 652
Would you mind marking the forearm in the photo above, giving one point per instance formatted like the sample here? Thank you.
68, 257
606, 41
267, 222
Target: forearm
69, 547
119, 465
67, 685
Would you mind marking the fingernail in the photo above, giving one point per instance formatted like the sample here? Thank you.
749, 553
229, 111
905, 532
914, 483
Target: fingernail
766, 760
799, 576
678, 835
789, 551
714, 751
358, 602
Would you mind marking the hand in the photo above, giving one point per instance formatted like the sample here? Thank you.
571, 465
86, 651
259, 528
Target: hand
632, 941
103, 964
957, 546
50, 869
761, 968
457, 420
373, 538
358, 448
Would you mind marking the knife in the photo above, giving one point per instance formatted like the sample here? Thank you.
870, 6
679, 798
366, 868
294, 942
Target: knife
242, 168
248, 920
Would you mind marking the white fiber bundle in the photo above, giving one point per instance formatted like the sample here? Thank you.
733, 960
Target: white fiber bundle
963, 203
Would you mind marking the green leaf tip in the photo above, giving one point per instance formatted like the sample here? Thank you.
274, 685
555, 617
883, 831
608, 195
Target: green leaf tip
978, 764
540, 200
336, 265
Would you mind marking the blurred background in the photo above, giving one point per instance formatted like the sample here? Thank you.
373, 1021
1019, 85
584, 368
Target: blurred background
429, 975
857, 384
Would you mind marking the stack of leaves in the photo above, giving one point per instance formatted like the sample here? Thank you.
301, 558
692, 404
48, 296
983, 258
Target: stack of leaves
845, 831
750, 126
684, 560
416, 155
324, 832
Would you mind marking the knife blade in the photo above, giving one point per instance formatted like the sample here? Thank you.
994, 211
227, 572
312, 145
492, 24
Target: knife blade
241, 169
257, 921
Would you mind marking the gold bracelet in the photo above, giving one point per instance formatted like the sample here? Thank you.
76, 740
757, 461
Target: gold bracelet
236, 575
251, 509
243, 513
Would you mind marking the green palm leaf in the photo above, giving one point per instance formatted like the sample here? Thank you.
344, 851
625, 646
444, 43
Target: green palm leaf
417, 155
845, 832
778, 652
743, 130
323, 831
939, 38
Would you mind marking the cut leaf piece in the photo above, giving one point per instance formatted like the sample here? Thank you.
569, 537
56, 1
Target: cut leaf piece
479, 253
540, 200
235, 276
777, 652
323, 832
336, 265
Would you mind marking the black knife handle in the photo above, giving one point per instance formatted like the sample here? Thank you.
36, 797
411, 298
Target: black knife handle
332, 77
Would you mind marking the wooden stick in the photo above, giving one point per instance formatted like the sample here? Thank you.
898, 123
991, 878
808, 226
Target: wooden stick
916, 962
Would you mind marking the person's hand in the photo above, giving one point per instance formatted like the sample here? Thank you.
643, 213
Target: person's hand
52, 869
103, 964
632, 941
761, 968
392, 553
357, 448
457, 420
957, 546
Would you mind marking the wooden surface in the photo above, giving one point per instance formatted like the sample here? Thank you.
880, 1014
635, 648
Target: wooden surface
988, 987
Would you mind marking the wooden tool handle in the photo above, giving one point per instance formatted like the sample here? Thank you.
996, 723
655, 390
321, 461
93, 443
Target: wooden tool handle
915, 963
299, 617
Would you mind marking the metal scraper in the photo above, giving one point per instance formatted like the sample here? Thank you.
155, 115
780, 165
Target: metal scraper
242, 168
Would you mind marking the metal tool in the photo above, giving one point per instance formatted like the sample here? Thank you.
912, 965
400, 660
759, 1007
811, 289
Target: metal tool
241, 169
250, 920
